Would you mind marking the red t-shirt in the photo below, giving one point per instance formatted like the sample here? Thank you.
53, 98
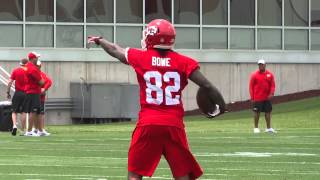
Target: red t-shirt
261, 85
33, 76
47, 84
161, 78
20, 78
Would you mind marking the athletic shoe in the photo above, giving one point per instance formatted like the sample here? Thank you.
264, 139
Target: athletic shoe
256, 130
14, 131
34, 130
47, 134
31, 133
43, 133
270, 130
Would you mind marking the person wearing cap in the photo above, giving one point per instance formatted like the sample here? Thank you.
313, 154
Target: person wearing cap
18, 76
47, 84
33, 91
262, 87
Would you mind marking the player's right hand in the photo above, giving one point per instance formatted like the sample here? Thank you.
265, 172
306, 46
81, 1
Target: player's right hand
94, 40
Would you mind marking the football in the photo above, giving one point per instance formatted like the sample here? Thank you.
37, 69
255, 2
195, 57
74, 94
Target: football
207, 107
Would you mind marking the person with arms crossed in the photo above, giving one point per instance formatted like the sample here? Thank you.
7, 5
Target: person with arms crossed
162, 74
33, 91
262, 87
18, 76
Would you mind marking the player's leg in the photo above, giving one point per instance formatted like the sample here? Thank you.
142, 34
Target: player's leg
256, 116
14, 123
27, 110
37, 109
14, 114
23, 121
34, 108
256, 119
268, 110
41, 121
134, 176
145, 151
268, 119
187, 177
32, 117
182, 163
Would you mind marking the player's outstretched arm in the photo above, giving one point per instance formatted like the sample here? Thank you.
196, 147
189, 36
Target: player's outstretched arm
112, 49
214, 94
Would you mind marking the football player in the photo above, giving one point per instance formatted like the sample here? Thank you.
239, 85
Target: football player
33, 91
18, 76
162, 74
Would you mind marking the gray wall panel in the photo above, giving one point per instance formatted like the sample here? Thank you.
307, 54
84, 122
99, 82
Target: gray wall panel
231, 78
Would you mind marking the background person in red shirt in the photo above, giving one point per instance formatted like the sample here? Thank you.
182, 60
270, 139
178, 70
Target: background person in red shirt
33, 91
47, 84
262, 87
18, 76
162, 74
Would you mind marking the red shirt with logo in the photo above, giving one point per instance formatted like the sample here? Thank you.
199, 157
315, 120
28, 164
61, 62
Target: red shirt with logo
47, 84
20, 78
161, 76
261, 85
33, 76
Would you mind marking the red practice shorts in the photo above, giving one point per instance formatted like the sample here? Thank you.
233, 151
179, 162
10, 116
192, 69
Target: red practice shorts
150, 142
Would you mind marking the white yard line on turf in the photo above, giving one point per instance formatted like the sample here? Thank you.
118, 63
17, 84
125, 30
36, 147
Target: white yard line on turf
65, 157
57, 165
262, 162
60, 175
66, 149
253, 154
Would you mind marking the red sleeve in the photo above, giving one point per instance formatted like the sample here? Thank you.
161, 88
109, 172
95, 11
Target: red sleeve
272, 85
133, 56
191, 66
47, 82
13, 75
251, 86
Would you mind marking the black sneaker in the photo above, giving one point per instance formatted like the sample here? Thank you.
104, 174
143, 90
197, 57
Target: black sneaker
14, 131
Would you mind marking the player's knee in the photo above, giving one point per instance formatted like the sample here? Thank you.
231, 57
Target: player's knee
134, 176
187, 177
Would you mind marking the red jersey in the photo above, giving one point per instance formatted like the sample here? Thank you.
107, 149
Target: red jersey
47, 84
261, 85
33, 76
20, 78
161, 76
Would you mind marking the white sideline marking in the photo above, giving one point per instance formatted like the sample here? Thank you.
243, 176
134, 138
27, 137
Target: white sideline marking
84, 176
102, 140
61, 175
253, 154
264, 174
58, 165
86, 150
266, 170
81, 157
79, 144
204, 143
262, 162
239, 137
308, 173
